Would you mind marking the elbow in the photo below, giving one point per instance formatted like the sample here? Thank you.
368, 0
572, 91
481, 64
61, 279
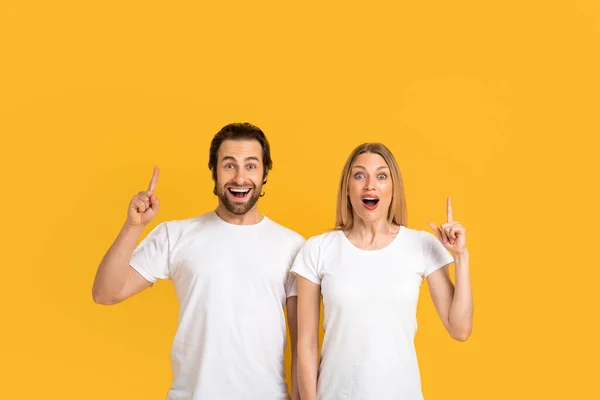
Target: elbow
460, 335
307, 346
102, 299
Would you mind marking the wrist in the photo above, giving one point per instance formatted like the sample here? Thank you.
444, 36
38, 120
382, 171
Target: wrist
460, 255
130, 229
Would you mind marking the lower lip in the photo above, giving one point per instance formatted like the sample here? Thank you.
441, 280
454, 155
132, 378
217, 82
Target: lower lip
371, 207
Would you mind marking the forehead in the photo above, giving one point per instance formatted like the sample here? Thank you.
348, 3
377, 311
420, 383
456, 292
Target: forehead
369, 160
240, 149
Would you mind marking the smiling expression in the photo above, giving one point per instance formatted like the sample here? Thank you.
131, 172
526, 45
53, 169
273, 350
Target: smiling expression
239, 175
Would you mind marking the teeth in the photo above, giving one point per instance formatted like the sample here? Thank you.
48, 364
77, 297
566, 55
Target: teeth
240, 190
370, 198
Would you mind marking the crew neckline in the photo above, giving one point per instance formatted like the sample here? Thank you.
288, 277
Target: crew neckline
221, 221
374, 251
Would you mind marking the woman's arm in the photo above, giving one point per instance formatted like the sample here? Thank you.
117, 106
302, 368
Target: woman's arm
454, 304
309, 296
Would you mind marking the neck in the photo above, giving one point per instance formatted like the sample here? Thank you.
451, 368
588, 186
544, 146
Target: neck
369, 231
250, 218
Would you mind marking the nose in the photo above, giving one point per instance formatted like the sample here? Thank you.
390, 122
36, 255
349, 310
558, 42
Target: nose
369, 184
239, 177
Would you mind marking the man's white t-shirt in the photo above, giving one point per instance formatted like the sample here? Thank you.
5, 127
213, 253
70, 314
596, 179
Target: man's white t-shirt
232, 282
370, 303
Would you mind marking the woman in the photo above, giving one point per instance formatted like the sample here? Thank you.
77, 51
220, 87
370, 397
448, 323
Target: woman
369, 271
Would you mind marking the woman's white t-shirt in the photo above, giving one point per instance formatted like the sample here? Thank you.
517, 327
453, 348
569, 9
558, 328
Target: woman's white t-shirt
370, 302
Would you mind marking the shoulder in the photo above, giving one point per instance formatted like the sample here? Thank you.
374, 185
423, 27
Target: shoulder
284, 233
180, 227
323, 241
417, 235
420, 241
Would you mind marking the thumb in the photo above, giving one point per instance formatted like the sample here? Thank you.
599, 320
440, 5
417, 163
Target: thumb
436, 230
154, 203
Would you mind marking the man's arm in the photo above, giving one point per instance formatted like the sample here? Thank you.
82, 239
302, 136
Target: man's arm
292, 314
115, 279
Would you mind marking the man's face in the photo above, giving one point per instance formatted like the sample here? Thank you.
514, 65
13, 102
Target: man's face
239, 175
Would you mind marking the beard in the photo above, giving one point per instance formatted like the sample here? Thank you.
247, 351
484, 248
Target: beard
236, 208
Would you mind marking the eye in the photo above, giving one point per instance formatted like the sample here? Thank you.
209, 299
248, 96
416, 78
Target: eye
229, 166
382, 176
251, 166
359, 175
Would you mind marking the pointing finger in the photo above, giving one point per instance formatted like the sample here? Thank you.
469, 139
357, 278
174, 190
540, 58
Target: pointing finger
449, 209
153, 181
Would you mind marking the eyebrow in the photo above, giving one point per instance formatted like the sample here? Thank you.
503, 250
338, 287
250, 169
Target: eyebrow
251, 158
378, 168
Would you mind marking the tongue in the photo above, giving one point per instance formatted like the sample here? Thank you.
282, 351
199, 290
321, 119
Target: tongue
370, 203
238, 194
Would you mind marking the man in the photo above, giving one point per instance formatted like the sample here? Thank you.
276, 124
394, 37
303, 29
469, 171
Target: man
230, 268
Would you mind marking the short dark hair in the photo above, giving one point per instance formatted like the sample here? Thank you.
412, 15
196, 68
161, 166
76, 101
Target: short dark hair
239, 131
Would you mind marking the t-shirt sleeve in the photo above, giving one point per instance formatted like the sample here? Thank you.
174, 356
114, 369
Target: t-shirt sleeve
306, 263
291, 285
151, 257
435, 254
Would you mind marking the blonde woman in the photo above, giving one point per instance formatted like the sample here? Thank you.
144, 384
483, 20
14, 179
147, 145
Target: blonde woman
369, 271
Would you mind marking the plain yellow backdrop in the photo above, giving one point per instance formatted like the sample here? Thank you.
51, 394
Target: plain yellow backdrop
494, 103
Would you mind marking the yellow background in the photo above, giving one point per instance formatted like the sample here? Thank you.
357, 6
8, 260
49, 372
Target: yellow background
495, 103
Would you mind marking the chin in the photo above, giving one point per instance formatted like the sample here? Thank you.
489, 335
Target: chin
369, 216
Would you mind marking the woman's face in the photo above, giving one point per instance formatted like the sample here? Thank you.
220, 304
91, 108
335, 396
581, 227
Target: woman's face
370, 187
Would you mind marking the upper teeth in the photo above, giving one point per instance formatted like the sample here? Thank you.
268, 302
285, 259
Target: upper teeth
369, 198
240, 190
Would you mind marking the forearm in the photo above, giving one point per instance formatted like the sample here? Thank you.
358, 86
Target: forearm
307, 371
460, 317
114, 268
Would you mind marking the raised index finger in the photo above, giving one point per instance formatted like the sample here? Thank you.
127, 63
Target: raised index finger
449, 209
153, 181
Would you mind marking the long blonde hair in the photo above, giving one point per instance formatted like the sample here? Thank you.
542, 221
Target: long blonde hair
396, 213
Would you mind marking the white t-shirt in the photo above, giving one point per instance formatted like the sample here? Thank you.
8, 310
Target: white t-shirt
232, 282
370, 303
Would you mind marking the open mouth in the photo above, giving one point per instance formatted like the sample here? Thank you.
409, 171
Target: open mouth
370, 202
239, 193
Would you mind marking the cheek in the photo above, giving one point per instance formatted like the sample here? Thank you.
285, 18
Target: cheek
254, 176
387, 191
223, 176
389, 188
258, 175
354, 190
